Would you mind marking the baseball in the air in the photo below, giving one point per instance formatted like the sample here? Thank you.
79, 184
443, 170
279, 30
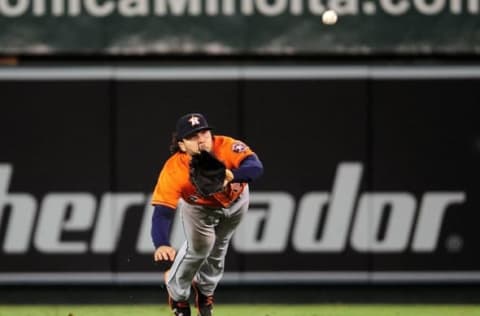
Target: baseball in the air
329, 17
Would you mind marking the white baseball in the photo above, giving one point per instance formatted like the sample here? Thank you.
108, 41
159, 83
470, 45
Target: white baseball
329, 17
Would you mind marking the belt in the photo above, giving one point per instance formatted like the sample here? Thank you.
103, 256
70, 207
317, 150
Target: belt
220, 207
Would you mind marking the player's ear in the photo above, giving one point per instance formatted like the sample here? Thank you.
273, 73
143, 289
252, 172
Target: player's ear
182, 147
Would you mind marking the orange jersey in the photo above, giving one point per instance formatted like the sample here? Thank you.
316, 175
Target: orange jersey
174, 179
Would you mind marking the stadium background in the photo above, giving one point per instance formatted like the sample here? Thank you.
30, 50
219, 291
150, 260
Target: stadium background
368, 130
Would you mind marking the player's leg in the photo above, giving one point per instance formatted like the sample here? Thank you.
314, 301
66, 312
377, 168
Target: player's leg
199, 232
211, 271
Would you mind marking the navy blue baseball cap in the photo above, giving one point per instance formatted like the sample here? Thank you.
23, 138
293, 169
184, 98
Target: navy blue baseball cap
190, 124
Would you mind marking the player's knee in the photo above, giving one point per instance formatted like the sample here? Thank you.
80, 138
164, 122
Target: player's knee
202, 247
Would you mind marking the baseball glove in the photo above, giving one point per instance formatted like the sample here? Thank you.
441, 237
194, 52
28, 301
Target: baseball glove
207, 173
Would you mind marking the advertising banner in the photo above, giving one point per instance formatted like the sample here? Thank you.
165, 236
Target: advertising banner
363, 181
229, 27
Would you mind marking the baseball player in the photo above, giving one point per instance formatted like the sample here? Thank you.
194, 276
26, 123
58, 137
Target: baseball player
208, 221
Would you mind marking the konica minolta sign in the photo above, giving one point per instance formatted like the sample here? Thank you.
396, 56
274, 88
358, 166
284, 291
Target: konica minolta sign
230, 27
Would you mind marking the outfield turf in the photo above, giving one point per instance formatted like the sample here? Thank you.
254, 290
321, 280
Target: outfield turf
246, 310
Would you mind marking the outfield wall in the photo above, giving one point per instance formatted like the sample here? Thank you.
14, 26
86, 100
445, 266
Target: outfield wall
371, 172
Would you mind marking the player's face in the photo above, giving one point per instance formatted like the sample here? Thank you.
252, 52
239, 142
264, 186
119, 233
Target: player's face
201, 140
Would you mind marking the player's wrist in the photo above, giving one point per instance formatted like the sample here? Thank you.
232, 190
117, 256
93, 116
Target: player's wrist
229, 175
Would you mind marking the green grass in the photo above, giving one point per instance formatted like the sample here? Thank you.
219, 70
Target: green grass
246, 310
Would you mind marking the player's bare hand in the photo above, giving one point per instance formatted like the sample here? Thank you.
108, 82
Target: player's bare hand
164, 253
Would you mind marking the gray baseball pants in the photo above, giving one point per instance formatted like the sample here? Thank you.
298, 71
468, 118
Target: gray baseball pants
202, 256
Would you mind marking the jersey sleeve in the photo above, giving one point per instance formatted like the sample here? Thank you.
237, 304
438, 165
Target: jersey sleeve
234, 151
168, 188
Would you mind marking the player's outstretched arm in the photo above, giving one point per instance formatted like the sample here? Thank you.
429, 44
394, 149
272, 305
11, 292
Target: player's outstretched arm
161, 222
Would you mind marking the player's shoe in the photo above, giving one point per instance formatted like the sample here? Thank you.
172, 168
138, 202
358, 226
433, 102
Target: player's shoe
179, 308
203, 303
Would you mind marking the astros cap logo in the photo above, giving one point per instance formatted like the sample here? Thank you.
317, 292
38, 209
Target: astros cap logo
194, 120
